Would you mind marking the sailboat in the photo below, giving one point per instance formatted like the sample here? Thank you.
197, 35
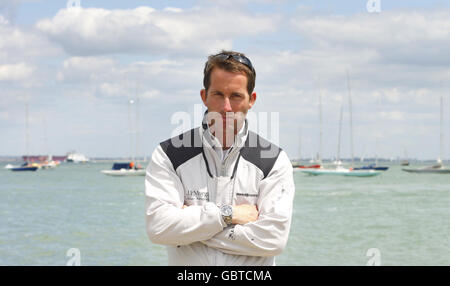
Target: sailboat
439, 168
315, 164
375, 165
340, 170
48, 162
26, 166
405, 161
127, 168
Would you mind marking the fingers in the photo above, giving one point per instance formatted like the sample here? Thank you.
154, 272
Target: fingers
243, 214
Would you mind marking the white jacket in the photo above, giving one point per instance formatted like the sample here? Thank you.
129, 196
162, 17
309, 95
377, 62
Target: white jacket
192, 174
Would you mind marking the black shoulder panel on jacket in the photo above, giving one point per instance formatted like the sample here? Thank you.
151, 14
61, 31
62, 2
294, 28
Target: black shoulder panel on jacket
182, 148
260, 152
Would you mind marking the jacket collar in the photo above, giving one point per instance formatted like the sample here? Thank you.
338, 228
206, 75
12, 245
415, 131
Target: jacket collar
213, 142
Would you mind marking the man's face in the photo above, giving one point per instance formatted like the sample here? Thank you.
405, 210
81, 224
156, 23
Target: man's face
228, 102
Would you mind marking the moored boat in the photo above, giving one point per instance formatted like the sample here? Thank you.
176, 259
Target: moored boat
372, 167
436, 169
341, 171
73, 157
25, 167
317, 166
439, 168
125, 169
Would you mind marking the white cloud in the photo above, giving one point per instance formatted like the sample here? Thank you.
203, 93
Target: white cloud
400, 55
119, 89
111, 89
3, 21
148, 79
16, 72
94, 31
408, 37
392, 115
23, 51
88, 63
150, 94
19, 44
79, 69
173, 9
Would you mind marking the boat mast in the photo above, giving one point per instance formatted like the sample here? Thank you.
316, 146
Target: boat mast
351, 119
130, 102
137, 127
441, 151
377, 130
27, 135
299, 145
376, 151
320, 123
46, 147
339, 139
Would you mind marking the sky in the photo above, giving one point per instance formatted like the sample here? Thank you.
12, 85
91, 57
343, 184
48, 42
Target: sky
113, 78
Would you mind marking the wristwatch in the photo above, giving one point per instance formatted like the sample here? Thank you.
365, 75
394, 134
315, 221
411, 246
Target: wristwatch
227, 213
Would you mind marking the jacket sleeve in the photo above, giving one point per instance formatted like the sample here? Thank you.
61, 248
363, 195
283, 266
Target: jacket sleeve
166, 222
268, 235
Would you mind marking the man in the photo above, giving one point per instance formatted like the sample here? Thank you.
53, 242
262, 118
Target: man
219, 194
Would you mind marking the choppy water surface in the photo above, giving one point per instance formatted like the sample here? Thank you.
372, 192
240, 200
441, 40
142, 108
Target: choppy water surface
404, 217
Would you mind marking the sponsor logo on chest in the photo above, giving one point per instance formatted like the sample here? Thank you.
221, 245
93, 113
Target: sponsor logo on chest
196, 195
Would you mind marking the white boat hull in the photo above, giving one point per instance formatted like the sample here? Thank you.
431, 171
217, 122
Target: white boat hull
341, 172
123, 172
428, 171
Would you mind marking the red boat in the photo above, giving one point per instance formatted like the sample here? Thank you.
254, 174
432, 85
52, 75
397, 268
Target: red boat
308, 167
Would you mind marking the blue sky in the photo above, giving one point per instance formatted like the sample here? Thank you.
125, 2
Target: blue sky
78, 69
28, 12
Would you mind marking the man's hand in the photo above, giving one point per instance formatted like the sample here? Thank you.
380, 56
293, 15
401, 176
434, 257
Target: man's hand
243, 214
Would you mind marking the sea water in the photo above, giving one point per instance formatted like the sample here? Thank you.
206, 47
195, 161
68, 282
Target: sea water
396, 218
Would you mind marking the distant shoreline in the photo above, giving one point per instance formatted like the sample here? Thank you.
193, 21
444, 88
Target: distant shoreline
91, 160
8, 159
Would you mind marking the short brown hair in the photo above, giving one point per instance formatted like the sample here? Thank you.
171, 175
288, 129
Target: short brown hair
231, 65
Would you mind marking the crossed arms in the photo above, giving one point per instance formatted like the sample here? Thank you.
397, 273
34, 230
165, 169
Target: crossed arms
258, 230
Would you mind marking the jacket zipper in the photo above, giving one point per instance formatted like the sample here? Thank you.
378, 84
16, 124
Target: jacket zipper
222, 170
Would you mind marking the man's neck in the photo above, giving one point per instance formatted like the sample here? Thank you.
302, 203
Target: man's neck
221, 143
231, 141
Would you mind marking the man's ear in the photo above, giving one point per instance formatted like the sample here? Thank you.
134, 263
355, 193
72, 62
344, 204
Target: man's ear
203, 95
252, 99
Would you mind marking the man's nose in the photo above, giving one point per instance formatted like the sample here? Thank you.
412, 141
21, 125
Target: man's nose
227, 105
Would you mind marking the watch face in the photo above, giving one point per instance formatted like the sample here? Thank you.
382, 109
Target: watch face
227, 210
